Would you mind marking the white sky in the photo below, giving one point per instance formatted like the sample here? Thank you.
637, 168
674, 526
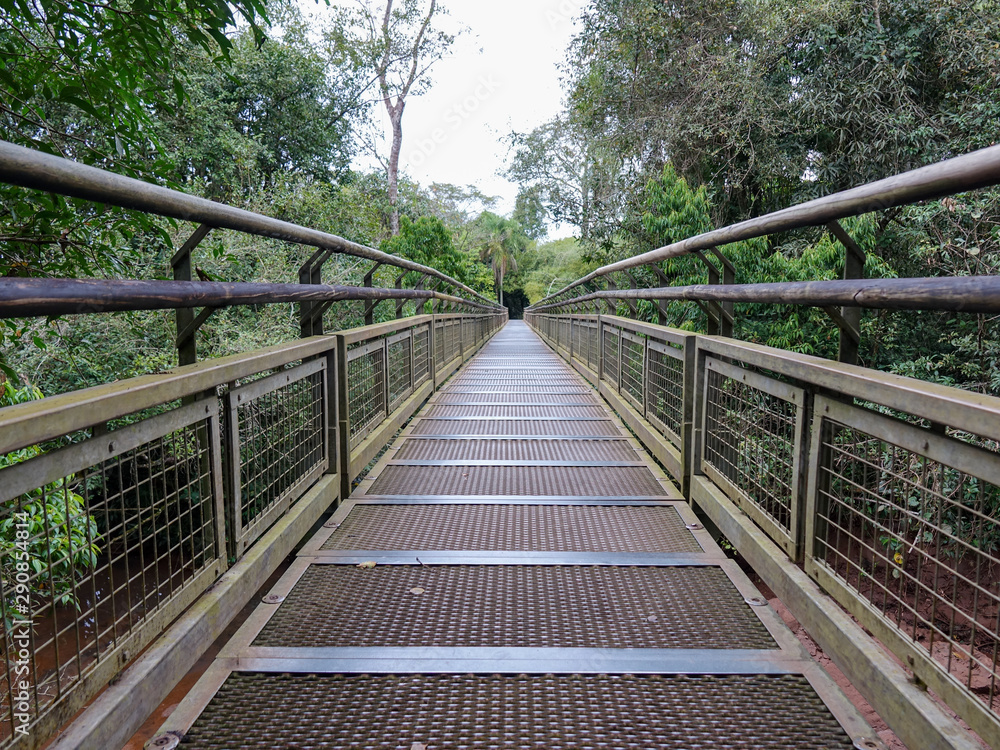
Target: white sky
454, 132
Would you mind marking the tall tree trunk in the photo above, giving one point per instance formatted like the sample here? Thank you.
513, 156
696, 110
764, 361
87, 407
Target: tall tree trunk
394, 96
396, 117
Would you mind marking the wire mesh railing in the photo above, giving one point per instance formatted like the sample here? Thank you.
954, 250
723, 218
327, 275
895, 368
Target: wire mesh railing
107, 540
886, 489
390, 368
665, 389
277, 438
905, 525
104, 541
752, 434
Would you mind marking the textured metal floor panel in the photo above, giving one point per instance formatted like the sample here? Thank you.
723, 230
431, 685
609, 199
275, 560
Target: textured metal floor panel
532, 606
516, 365
582, 481
542, 528
514, 378
516, 450
554, 712
517, 398
513, 427
512, 412
515, 390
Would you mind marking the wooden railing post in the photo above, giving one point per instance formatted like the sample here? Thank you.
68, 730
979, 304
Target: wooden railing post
187, 351
688, 433
849, 318
432, 350
694, 390
344, 408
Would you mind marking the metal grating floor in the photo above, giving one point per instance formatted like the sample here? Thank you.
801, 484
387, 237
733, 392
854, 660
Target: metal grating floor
555, 712
572, 481
572, 615
518, 606
513, 411
540, 528
452, 397
514, 427
516, 388
516, 450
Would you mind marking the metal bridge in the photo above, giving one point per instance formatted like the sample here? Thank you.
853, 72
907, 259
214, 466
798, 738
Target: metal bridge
515, 572
531, 557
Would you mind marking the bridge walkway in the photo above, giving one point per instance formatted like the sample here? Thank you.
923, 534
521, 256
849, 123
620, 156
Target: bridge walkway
515, 572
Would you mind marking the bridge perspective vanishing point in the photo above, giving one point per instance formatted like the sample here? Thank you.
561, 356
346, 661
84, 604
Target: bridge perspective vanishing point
531, 558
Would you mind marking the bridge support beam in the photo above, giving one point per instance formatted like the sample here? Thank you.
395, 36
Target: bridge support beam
849, 318
187, 323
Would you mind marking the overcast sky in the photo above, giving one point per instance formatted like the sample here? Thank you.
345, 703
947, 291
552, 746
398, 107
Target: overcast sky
454, 133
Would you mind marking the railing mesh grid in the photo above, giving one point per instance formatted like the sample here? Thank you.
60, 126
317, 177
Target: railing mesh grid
750, 439
918, 541
665, 392
438, 345
400, 371
632, 373
366, 393
89, 558
282, 439
611, 356
421, 359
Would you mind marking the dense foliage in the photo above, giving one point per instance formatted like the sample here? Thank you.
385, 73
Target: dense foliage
760, 104
678, 117
266, 116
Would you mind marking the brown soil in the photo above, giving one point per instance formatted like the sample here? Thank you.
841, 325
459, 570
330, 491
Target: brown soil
870, 715
956, 625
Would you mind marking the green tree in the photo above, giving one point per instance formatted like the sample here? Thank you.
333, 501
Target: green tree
570, 174
529, 212
84, 80
551, 266
287, 104
501, 241
398, 44
427, 241
774, 102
